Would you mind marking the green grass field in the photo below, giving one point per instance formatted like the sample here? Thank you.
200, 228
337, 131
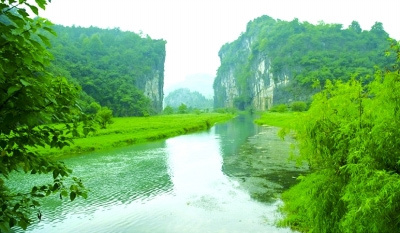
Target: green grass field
131, 130
283, 120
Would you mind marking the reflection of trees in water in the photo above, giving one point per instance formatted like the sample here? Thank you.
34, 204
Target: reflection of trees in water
262, 165
234, 133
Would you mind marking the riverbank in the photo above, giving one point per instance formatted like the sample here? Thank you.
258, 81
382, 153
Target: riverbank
132, 130
286, 120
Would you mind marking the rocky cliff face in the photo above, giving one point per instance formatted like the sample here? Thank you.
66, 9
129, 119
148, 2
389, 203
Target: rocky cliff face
276, 62
246, 77
260, 84
153, 89
152, 84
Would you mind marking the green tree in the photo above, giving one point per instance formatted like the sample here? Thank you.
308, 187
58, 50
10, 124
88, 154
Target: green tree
112, 66
299, 106
93, 108
30, 99
182, 109
350, 139
168, 110
104, 116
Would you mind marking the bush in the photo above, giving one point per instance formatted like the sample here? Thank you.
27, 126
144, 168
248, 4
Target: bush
279, 108
299, 106
168, 110
104, 116
182, 109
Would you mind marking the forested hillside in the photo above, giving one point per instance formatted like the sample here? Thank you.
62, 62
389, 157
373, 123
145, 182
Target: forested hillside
191, 99
120, 70
276, 61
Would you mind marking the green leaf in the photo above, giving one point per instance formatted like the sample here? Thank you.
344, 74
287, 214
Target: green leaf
45, 40
23, 12
13, 89
34, 9
50, 30
55, 187
56, 173
23, 224
64, 193
72, 196
41, 3
84, 195
12, 222
16, 207
35, 203
25, 83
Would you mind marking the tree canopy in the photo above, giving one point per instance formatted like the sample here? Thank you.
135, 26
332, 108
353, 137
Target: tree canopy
111, 65
32, 100
303, 53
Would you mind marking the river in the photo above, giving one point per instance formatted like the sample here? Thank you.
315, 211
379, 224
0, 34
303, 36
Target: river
226, 179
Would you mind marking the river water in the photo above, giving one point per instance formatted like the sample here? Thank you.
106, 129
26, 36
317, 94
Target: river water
226, 179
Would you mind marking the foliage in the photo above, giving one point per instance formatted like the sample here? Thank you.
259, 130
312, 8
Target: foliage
168, 110
93, 108
226, 110
112, 66
349, 137
279, 108
297, 54
104, 116
182, 109
286, 120
30, 99
192, 99
130, 130
298, 106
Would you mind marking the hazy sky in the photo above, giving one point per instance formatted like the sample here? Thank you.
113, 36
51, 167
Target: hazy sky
196, 30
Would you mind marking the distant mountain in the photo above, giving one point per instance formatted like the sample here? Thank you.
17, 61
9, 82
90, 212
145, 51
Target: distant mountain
202, 83
190, 99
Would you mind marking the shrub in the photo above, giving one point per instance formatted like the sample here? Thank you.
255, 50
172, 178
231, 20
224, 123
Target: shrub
299, 106
279, 108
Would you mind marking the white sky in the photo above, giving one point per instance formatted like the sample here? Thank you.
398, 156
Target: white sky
196, 30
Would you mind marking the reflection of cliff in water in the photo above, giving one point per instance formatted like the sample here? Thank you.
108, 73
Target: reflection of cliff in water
261, 164
234, 133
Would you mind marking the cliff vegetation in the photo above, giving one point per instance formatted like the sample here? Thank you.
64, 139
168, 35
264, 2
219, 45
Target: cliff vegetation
123, 71
277, 61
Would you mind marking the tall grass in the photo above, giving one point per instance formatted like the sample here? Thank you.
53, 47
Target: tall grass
130, 130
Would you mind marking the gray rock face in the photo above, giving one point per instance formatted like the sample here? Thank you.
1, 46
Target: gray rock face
152, 84
261, 82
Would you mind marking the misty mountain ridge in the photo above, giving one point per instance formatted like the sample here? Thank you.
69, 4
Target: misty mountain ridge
190, 99
202, 83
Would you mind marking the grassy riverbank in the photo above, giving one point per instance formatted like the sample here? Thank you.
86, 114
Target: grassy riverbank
131, 130
286, 120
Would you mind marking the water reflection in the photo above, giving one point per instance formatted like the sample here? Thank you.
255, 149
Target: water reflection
188, 183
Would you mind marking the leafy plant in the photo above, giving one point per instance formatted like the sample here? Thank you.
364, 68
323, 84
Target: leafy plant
168, 110
104, 116
349, 138
299, 106
31, 99
279, 108
113, 67
182, 109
